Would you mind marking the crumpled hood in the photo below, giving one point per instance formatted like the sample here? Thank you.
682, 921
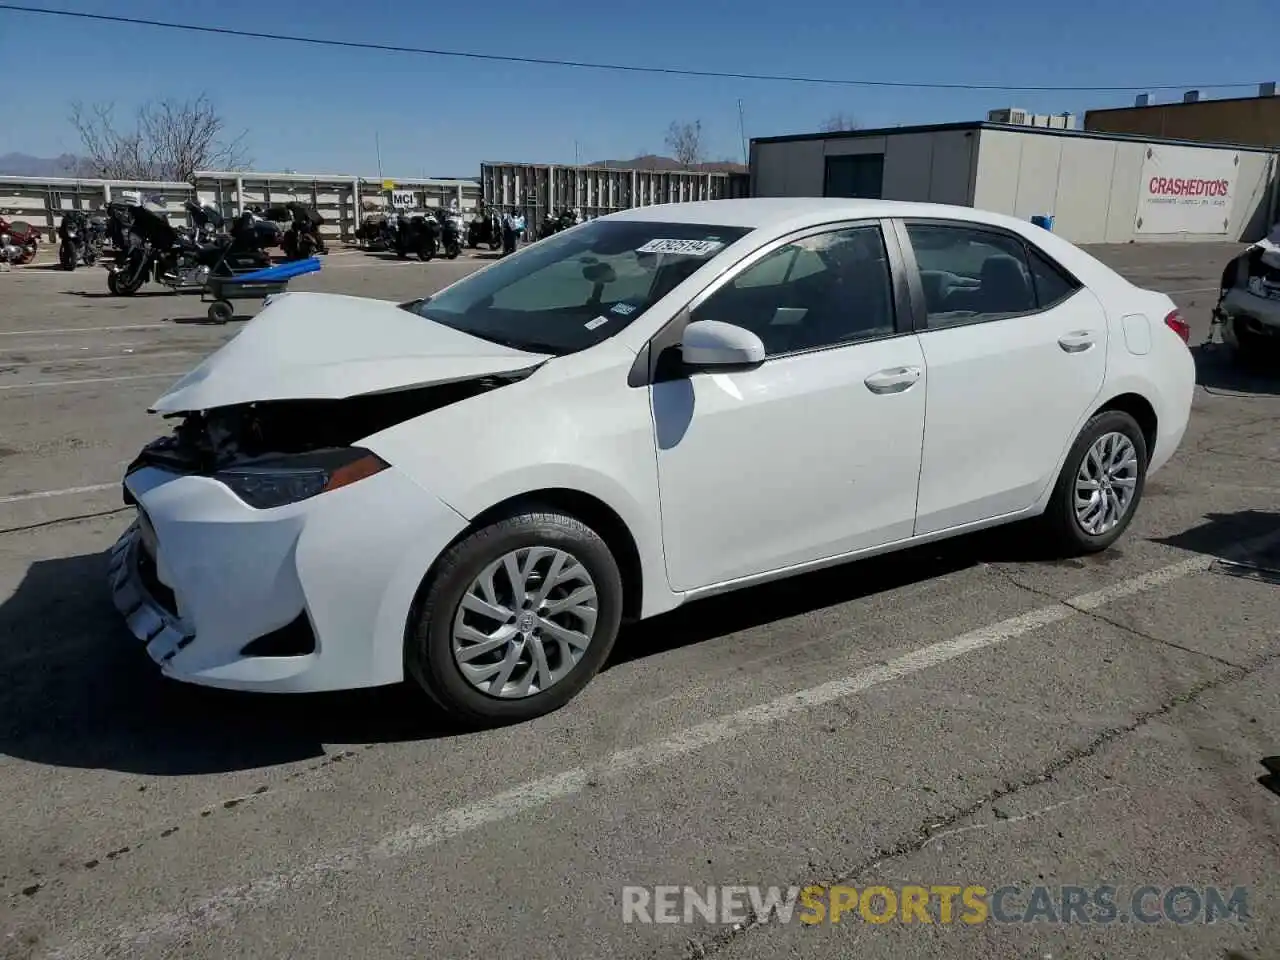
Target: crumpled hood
317, 346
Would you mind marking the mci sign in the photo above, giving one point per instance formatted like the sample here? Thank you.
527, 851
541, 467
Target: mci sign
1186, 190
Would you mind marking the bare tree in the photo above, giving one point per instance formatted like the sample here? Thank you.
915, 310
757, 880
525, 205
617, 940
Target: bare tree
684, 140
838, 122
167, 140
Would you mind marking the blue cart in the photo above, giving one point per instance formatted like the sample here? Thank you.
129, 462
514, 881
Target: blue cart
251, 286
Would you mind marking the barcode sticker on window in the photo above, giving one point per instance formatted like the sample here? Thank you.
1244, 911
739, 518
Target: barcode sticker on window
689, 248
597, 322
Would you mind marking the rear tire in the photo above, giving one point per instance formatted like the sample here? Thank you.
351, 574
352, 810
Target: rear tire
1109, 435
430, 647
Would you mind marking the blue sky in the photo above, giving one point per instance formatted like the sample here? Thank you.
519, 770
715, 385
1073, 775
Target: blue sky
317, 110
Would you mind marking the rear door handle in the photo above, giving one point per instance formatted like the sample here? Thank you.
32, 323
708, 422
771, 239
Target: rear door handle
1077, 342
893, 380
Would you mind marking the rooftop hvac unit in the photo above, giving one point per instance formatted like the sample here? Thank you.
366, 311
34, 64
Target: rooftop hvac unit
1142, 100
1191, 96
1267, 89
1008, 115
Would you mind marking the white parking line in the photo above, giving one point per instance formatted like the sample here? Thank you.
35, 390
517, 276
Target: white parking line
221, 907
64, 330
105, 359
1174, 293
68, 492
88, 380
51, 347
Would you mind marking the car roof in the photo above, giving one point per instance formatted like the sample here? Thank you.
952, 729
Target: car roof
766, 212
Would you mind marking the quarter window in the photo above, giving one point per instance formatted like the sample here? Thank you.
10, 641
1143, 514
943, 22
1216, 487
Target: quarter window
972, 274
822, 291
1052, 284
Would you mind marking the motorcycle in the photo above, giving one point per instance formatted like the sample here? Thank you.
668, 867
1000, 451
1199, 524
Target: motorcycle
485, 227
154, 250
82, 239
417, 233
206, 222
1247, 315
303, 238
451, 233
555, 223
19, 241
375, 232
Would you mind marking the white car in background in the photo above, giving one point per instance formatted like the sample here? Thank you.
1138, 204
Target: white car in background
475, 489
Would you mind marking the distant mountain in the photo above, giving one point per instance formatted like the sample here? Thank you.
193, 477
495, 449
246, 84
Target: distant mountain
25, 165
652, 161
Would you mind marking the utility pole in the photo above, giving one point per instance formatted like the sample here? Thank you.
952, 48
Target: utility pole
742, 133
377, 146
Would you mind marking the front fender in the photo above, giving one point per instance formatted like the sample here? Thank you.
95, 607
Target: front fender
573, 425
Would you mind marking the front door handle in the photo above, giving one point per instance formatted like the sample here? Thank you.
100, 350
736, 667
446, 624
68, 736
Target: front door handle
893, 380
1077, 342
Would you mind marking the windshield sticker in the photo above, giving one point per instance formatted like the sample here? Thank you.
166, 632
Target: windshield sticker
689, 248
597, 322
623, 309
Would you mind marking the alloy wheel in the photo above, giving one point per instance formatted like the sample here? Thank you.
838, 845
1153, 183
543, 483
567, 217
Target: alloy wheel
1106, 483
525, 622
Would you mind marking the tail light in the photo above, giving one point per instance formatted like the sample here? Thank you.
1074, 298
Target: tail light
1179, 326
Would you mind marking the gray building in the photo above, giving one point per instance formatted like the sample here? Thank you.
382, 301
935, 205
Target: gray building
1098, 187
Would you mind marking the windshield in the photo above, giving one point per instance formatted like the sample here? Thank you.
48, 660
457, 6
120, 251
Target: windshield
572, 290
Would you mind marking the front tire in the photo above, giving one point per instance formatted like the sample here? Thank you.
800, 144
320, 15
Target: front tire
1101, 485
534, 601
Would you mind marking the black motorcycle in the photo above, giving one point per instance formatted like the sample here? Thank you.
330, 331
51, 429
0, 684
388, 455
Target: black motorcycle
83, 238
450, 234
373, 233
153, 249
416, 234
554, 223
486, 228
303, 238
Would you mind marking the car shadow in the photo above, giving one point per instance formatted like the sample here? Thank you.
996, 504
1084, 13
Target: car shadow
794, 596
1217, 372
81, 692
204, 321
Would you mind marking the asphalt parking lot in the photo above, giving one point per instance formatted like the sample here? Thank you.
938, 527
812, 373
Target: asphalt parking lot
974, 713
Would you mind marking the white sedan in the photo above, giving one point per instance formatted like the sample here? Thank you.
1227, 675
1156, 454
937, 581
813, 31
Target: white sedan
474, 490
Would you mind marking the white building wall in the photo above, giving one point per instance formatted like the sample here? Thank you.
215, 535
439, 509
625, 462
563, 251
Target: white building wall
1091, 185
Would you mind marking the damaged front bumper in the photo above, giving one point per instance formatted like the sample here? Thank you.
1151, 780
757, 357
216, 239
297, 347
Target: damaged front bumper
307, 597
132, 591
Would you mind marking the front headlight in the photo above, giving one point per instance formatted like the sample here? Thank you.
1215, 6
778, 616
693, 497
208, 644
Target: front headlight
277, 481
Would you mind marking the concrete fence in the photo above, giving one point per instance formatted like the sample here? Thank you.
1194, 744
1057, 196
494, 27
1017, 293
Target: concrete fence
341, 199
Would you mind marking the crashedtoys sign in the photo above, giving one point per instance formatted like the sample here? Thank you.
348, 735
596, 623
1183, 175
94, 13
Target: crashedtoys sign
1186, 190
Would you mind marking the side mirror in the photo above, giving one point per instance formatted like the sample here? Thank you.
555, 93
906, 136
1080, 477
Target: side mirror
712, 343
